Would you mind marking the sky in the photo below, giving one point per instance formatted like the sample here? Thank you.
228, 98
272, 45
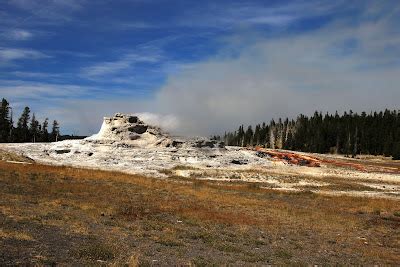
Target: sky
197, 67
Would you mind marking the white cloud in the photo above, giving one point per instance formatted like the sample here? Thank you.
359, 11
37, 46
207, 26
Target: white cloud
272, 78
250, 14
27, 74
11, 54
138, 25
341, 66
353, 63
38, 5
17, 34
21, 35
103, 68
112, 67
45, 12
37, 90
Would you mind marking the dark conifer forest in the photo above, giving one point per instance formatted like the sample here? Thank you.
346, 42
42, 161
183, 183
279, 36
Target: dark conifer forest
376, 133
27, 128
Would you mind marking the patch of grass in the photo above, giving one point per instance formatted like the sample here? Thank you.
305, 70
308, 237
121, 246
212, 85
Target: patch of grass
17, 235
201, 261
252, 257
184, 167
260, 242
176, 220
228, 247
169, 242
235, 176
11, 156
95, 251
305, 193
52, 216
283, 254
253, 186
135, 211
199, 235
376, 212
33, 176
342, 185
199, 183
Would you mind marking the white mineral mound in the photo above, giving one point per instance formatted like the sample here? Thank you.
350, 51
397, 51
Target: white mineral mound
127, 143
130, 129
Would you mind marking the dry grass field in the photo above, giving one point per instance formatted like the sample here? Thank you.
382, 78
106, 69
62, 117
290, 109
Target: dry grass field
61, 215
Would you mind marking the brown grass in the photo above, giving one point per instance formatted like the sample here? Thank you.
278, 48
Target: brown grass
130, 219
15, 235
9, 156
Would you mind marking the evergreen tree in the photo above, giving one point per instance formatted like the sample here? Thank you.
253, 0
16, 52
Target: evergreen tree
34, 128
23, 134
5, 121
248, 137
396, 151
289, 141
350, 133
45, 133
28, 129
257, 135
55, 132
11, 135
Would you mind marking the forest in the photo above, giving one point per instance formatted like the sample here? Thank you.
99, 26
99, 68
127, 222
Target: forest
27, 128
376, 133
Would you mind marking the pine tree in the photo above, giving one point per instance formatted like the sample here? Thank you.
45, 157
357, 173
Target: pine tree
22, 126
396, 151
248, 136
55, 132
34, 128
257, 135
11, 134
5, 121
355, 144
350, 133
289, 141
44, 133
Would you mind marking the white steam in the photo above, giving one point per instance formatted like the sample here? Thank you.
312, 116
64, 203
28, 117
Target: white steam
168, 123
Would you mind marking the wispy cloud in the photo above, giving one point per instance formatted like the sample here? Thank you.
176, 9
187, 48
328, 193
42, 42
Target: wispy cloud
136, 25
56, 100
71, 53
213, 64
46, 91
38, 5
17, 34
8, 55
289, 75
253, 14
16, 89
105, 68
112, 67
43, 12
27, 74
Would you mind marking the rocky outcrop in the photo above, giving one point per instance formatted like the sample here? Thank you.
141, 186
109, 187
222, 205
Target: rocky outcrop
130, 129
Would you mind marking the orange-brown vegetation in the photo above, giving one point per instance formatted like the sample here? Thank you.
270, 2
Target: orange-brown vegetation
290, 157
296, 158
80, 216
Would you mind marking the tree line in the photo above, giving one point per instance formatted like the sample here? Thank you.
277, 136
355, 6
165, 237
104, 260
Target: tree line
376, 133
27, 128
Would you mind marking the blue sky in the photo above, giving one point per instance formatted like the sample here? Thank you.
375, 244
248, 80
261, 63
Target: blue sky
211, 65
